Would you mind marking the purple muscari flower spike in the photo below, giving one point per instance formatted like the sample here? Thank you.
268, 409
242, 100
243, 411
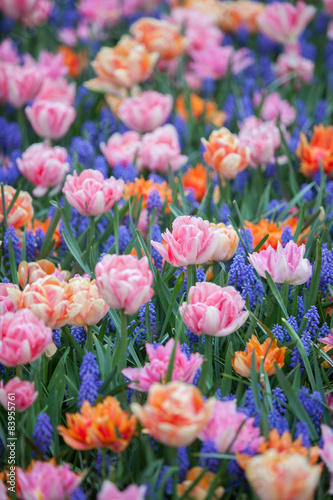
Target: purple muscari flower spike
42, 434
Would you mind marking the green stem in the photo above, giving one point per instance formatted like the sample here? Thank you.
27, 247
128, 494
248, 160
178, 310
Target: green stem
206, 377
19, 371
191, 277
123, 344
89, 342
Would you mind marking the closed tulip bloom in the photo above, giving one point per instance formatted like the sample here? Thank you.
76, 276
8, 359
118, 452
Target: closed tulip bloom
21, 212
23, 338
45, 167
159, 36
29, 272
24, 393
282, 477
284, 265
190, 242
50, 119
146, 112
290, 64
132, 492
105, 425
261, 139
326, 453
213, 310
83, 291
283, 22
224, 153
228, 242
90, 193
58, 90
275, 108
124, 282
49, 299
6, 303
202, 486
121, 148
20, 84
156, 370
268, 352
175, 413
46, 481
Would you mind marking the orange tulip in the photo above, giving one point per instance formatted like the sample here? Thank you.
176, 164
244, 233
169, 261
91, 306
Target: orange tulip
318, 151
21, 212
175, 413
224, 153
29, 272
196, 179
105, 425
200, 107
142, 187
76, 62
159, 37
233, 15
201, 489
268, 351
85, 293
274, 231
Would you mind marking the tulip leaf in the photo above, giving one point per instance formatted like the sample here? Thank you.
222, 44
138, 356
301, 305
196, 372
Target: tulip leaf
276, 293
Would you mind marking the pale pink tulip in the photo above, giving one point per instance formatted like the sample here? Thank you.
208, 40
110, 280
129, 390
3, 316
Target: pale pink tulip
261, 139
23, 391
156, 370
274, 108
290, 64
50, 119
327, 452
124, 282
6, 303
8, 52
214, 61
39, 15
52, 65
20, 84
284, 264
110, 491
47, 481
44, 167
283, 22
146, 112
121, 148
90, 193
58, 90
160, 150
213, 310
23, 338
191, 242
231, 430
100, 12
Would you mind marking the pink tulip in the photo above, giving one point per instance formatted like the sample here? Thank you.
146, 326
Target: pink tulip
50, 119
23, 391
121, 148
6, 303
329, 6
327, 340
17, 9
261, 139
146, 112
47, 481
100, 12
290, 64
124, 282
58, 90
110, 491
191, 242
284, 264
327, 451
20, 84
52, 65
231, 430
283, 22
8, 52
44, 167
23, 338
156, 370
159, 150
39, 15
274, 108
213, 310
90, 193
3, 491
214, 61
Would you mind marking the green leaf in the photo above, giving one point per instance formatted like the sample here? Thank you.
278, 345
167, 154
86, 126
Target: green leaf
48, 242
276, 293
12, 263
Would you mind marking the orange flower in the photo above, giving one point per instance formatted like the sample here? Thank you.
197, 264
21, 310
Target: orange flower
200, 107
105, 425
264, 226
175, 413
85, 293
159, 36
196, 179
268, 351
233, 15
32, 271
76, 62
21, 212
143, 187
285, 445
124, 65
49, 299
228, 242
202, 487
319, 150
224, 153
